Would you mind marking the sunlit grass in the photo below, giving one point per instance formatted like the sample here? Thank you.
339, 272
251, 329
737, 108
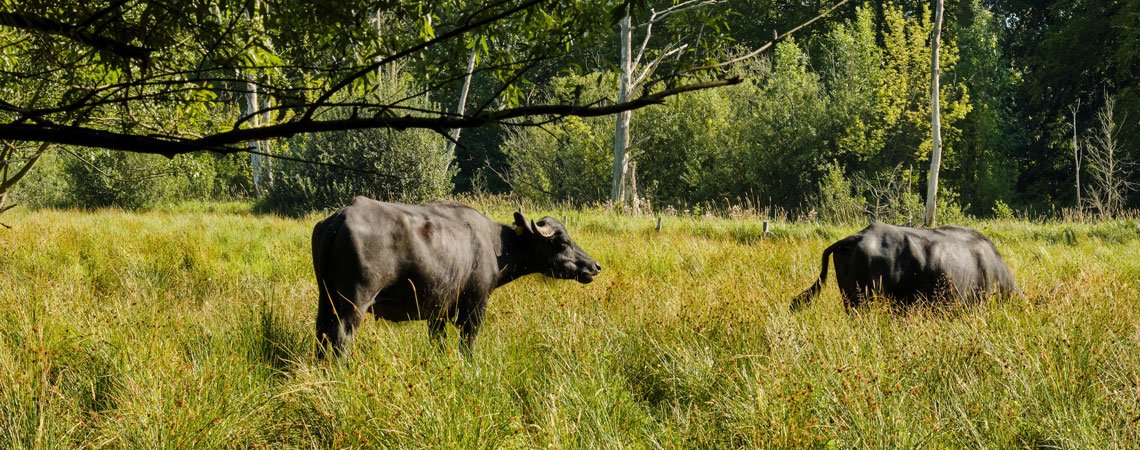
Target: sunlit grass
192, 328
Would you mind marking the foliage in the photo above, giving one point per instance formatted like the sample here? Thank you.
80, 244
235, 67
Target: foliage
45, 185
195, 331
850, 90
774, 138
892, 197
16, 162
156, 78
836, 201
100, 178
568, 160
986, 170
782, 121
684, 149
410, 166
1065, 52
1002, 211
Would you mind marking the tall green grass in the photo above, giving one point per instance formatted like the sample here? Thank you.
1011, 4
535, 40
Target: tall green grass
192, 328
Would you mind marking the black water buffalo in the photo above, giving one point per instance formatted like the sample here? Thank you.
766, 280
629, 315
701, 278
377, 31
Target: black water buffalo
911, 264
437, 262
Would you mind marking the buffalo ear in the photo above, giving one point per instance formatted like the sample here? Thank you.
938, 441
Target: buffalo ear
520, 223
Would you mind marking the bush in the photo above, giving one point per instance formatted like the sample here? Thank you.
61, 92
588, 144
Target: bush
101, 178
892, 197
681, 149
837, 201
685, 150
45, 185
570, 160
1002, 211
783, 126
409, 166
949, 209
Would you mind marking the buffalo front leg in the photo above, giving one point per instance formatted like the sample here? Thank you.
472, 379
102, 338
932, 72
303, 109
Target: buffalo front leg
469, 319
338, 317
437, 330
330, 334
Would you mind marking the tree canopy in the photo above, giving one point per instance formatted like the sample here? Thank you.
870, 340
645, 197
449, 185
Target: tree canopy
165, 77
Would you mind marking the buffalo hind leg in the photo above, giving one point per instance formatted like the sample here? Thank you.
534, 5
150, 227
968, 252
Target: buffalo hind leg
852, 298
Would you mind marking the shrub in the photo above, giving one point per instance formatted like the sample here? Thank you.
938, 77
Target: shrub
836, 201
409, 166
1002, 211
892, 197
45, 185
101, 178
570, 160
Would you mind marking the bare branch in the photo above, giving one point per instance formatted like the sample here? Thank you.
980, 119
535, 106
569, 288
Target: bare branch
657, 16
652, 66
775, 39
467, 26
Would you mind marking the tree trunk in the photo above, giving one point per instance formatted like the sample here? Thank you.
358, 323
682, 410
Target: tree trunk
1076, 156
463, 97
631, 195
252, 106
935, 119
249, 108
266, 119
9, 156
621, 133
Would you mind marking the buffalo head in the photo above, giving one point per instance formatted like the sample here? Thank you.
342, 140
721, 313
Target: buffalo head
551, 252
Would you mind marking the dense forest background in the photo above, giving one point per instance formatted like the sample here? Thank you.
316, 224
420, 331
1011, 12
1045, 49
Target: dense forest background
833, 123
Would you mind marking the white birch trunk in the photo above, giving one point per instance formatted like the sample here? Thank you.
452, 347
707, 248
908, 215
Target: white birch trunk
621, 133
935, 119
265, 119
249, 108
459, 109
1076, 157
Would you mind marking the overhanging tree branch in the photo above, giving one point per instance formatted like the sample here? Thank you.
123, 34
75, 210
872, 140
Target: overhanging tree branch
32, 22
776, 39
468, 25
226, 142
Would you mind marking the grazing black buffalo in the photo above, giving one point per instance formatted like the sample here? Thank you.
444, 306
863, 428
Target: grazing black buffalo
911, 264
437, 262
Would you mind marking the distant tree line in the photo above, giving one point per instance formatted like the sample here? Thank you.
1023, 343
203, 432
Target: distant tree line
833, 121
838, 121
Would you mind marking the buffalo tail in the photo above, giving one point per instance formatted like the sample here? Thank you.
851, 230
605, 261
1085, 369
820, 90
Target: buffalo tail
805, 298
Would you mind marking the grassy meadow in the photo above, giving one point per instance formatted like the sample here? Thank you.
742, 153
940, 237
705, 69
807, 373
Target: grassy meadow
193, 328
